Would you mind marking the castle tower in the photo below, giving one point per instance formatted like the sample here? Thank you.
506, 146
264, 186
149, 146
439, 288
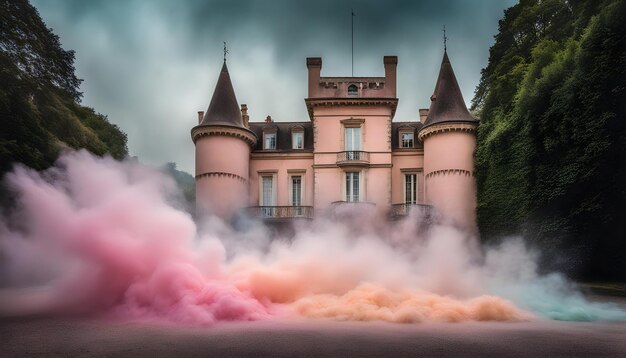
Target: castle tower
223, 146
351, 119
449, 137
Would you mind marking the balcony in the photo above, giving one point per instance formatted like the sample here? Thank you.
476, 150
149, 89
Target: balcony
280, 212
353, 158
419, 210
341, 209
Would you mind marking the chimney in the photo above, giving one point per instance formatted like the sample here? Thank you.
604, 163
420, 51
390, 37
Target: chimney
244, 115
314, 64
423, 114
391, 62
200, 116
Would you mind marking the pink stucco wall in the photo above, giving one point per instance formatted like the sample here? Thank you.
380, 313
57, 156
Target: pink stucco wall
328, 186
221, 194
452, 193
282, 166
222, 153
375, 123
410, 162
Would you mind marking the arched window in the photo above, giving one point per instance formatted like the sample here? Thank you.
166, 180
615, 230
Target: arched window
353, 90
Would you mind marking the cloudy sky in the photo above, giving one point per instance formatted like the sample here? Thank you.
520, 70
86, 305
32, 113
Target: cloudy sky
150, 65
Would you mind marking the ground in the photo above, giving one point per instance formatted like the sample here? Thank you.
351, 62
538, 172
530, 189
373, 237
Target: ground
86, 337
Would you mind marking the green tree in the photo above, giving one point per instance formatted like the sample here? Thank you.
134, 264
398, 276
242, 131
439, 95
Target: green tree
551, 144
40, 111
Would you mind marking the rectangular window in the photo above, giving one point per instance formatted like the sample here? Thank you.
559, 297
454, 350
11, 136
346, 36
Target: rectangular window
406, 140
297, 139
296, 194
267, 194
296, 190
410, 188
270, 141
353, 138
352, 186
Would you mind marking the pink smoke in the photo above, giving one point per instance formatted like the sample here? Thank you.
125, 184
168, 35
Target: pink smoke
97, 236
118, 246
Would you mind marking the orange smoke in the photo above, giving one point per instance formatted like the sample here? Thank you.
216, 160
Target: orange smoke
369, 302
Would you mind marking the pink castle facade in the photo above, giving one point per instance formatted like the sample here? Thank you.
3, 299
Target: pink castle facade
349, 152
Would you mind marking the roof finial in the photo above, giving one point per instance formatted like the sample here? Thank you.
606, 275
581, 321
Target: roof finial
225, 51
445, 39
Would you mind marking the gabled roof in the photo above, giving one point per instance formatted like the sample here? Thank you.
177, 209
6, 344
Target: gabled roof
447, 104
224, 108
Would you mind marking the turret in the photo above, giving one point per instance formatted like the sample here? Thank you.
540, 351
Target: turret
223, 145
449, 137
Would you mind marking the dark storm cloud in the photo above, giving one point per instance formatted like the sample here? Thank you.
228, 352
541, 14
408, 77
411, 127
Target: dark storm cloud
150, 65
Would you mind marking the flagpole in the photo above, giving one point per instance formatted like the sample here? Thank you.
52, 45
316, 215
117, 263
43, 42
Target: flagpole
352, 39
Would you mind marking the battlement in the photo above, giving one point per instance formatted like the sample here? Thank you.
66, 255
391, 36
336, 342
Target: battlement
352, 87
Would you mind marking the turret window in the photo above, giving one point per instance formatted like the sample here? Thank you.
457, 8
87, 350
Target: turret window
353, 90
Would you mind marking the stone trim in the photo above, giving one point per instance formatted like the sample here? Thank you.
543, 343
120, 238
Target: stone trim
280, 155
408, 151
411, 170
352, 122
350, 166
317, 102
221, 174
446, 127
450, 172
221, 130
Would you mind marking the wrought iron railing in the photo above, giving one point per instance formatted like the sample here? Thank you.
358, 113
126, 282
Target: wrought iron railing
423, 210
280, 212
352, 203
353, 157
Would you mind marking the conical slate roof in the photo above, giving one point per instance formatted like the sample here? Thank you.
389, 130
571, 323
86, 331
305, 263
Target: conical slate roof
224, 108
447, 104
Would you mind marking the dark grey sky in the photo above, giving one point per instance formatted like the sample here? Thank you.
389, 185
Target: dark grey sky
150, 65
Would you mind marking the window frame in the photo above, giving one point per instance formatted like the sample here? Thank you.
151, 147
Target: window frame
353, 93
273, 175
294, 133
415, 188
349, 194
359, 142
267, 133
401, 140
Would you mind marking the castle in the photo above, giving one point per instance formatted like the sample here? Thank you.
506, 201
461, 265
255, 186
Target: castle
349, 152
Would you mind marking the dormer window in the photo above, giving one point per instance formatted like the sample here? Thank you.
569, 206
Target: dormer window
407, 139
297, 138
269, 140
353, 90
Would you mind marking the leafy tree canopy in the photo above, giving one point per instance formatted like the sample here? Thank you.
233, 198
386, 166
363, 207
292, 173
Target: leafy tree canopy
40, 113
551, 156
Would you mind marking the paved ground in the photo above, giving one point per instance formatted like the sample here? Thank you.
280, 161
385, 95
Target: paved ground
62, 337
